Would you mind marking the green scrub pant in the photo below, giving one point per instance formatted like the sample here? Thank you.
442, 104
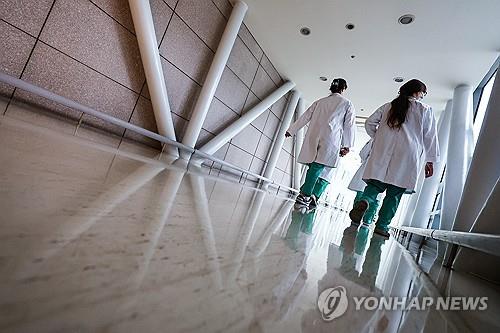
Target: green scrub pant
372, 209
313, 184
391, 201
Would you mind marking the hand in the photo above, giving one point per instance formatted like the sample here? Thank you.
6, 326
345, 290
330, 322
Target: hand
287, 135
343, 151
429, 169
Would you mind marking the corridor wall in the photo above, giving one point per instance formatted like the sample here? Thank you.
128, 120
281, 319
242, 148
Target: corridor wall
86, 50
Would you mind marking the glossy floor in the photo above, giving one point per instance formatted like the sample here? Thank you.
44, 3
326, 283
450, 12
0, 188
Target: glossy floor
95, 239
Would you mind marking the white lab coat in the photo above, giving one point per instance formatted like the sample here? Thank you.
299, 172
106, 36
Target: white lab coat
331, 128
398, 154
357, 183
327, 174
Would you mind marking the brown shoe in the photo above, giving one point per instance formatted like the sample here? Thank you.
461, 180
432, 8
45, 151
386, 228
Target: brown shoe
356, 214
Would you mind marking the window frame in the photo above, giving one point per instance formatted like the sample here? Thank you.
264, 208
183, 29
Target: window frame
478, 93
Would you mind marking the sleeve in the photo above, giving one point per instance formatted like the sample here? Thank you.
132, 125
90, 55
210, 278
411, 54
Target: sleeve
430, 139
349, 127
364, 153
371, 124
302, 121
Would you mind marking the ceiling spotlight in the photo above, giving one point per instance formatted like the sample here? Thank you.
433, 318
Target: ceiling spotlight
349, 26
399, 79
406, 19
305, 31
322, 78
353, 56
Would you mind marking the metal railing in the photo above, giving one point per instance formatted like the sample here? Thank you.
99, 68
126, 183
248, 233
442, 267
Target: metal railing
195, 155
486, 243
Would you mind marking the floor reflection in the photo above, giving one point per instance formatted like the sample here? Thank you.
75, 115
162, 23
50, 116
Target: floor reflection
98, 240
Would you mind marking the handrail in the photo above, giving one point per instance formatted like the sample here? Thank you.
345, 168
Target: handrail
264, 179
29, 87
487, 243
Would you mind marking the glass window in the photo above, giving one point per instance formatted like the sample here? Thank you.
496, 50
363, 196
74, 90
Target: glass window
481, 109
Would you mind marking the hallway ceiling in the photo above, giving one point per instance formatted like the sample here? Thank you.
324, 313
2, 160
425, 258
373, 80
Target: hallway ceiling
450, 42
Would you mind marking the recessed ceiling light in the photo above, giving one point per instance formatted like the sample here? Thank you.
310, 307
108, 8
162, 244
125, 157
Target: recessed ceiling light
349, 26
353, 56
305, 31
399, 79
322, 78
406, 19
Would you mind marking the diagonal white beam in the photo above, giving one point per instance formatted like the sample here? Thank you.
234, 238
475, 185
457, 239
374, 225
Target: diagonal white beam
214, 74
279, 138
237, 126
146, 38
299, 139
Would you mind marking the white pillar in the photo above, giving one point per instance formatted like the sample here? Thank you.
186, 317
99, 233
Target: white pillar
430, 186
146, 38
457, 159
411, 205
279, 138
214, 74
484, 168
299, 139
232, 130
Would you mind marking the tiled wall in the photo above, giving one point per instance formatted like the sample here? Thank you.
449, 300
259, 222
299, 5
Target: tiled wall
86, 50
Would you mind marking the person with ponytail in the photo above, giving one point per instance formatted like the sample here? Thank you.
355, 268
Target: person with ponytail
404, 137
329, 136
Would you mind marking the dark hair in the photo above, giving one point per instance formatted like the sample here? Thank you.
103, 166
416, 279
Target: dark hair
338, 85
401, 104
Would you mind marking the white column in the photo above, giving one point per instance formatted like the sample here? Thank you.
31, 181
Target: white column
214, 74
279, 138
146, 38
411, 205
299, 139
237, 126
457, 159
484, 168
430, 186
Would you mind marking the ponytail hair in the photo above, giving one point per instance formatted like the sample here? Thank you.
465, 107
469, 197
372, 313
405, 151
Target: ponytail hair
401, 104
338, 86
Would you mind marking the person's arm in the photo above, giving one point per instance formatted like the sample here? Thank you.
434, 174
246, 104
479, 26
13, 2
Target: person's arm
371, 124
302, 121
349, 128
430, 141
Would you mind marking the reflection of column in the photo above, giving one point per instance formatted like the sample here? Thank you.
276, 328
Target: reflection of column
430, 187
90, 213
400, 287
457, 160
263, 240
415, 321
163, 206
201, 205
452, 318
245, 233
484, 169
